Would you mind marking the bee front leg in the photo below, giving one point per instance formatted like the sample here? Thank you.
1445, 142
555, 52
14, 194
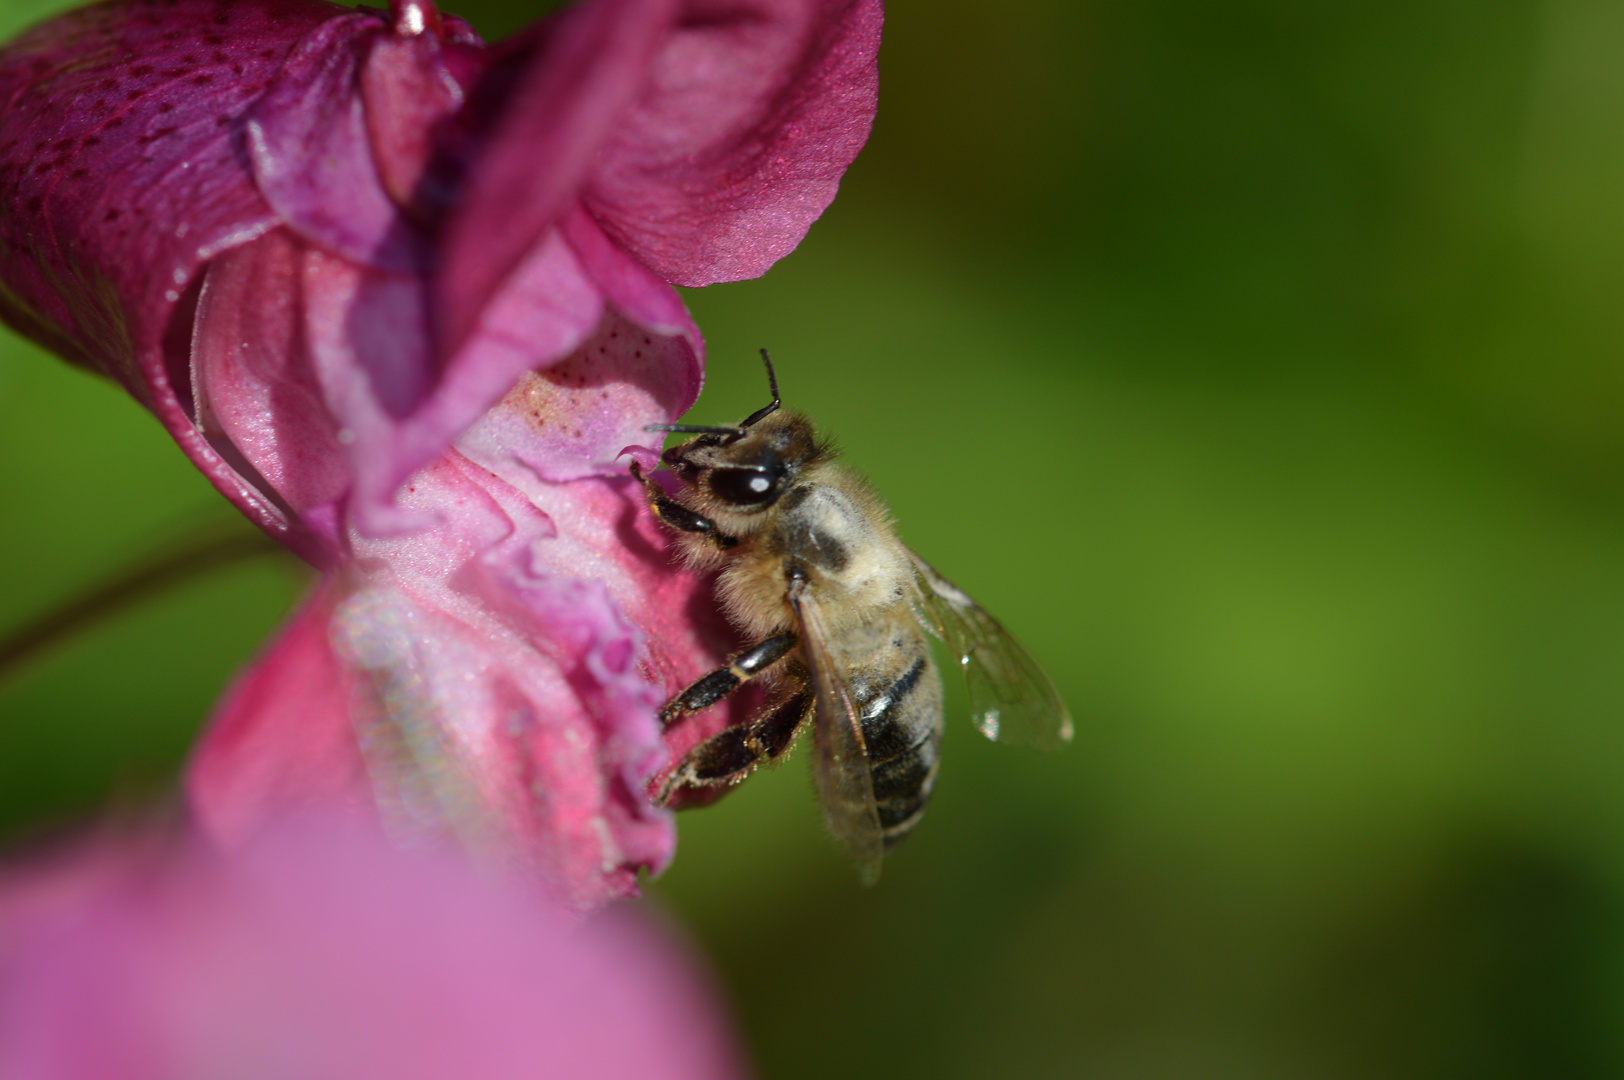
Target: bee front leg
732, 754
678, 516
710, 688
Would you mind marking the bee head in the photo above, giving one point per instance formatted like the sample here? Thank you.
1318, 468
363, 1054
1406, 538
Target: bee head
745, 468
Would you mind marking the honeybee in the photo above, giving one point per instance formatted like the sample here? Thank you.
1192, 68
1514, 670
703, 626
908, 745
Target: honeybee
812, 572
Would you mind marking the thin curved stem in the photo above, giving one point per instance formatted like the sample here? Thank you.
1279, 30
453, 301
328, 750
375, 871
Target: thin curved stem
194, 558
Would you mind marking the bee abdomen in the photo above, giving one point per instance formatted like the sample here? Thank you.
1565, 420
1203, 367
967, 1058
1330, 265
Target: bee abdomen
902, 787
902, 728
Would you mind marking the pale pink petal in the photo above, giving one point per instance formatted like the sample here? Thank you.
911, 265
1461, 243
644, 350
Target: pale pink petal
317, 953
532, 710
574, 418
258, 398
282, 737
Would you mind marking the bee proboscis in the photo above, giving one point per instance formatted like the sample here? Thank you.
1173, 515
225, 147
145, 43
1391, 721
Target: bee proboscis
836, 606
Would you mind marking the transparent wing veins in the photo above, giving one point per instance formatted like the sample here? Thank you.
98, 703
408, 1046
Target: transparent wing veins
1011, 699
845, 782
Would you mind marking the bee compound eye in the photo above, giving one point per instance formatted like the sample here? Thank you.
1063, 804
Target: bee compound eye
744, 487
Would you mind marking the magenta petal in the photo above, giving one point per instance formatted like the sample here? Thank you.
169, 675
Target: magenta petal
120, 173
258, 397
118, 165
281, 740
408, 91
591, 64
319, 954
630, 286
754, 113
348, 399
312, 154
368, 336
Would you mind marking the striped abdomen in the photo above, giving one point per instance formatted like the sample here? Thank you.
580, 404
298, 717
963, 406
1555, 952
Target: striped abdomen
901, 711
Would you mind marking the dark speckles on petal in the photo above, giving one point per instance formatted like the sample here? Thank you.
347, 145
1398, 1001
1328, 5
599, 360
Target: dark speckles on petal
121, 101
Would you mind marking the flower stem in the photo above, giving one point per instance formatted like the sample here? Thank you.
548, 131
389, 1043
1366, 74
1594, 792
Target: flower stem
161, 570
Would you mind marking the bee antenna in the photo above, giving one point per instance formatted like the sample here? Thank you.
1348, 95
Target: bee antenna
694, 429
772, 384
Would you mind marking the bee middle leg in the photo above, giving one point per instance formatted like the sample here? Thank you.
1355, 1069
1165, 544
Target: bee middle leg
733, 753
710, 688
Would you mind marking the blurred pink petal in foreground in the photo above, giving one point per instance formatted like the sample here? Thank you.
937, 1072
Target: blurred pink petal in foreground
319, 953
406, 299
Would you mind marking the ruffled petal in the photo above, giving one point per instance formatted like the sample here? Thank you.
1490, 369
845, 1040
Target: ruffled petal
505, 668
753, 114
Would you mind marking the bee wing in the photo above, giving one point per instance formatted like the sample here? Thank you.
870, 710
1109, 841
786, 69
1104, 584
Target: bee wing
845, 782
1011, 699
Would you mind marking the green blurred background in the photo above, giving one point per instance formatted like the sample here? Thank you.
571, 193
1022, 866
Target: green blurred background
1261, 365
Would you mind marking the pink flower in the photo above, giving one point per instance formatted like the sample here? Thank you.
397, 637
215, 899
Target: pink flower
317, 952
406, 299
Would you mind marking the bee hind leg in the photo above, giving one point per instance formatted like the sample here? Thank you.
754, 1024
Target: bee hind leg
712, 687
733, 753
